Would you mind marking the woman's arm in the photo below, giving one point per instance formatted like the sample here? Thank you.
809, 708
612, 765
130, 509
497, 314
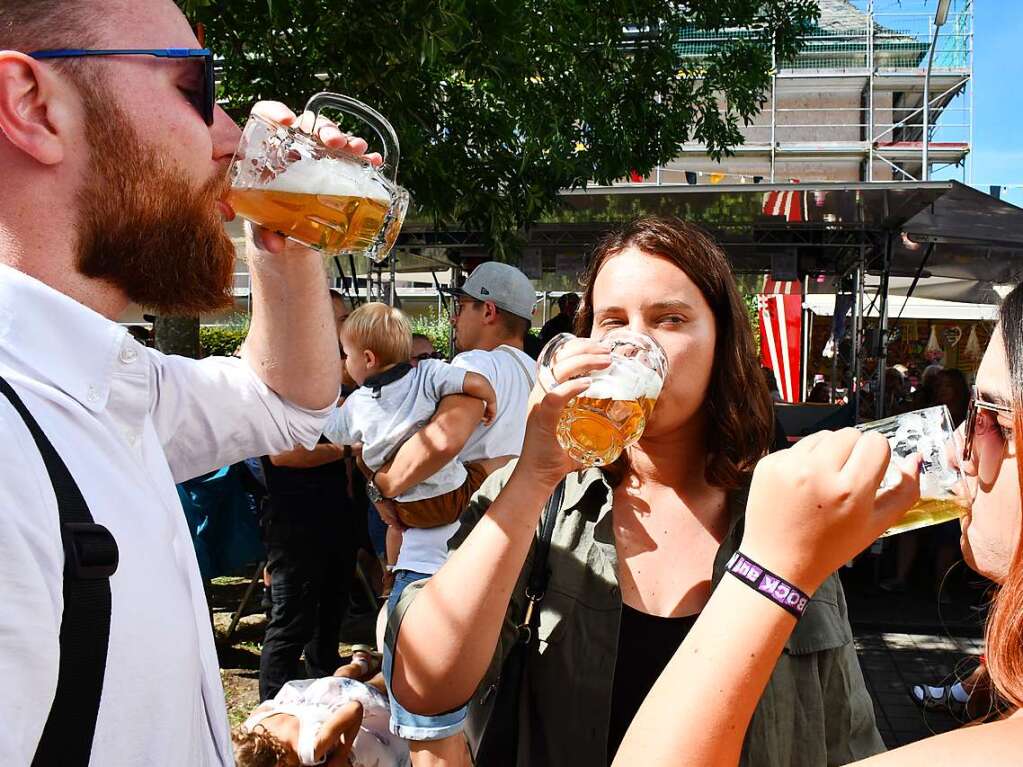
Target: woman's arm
449, 633
810, 508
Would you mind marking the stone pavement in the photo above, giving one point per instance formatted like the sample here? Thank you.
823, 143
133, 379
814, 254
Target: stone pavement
915, 638
894, 662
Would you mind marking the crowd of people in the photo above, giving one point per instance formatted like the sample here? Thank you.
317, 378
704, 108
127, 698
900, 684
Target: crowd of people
677, 607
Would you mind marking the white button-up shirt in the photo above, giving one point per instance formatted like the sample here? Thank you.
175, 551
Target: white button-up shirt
129, 422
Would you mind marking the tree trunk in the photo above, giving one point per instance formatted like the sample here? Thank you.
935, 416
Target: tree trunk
177, 335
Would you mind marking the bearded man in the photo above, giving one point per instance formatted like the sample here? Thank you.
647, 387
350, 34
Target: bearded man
114, 178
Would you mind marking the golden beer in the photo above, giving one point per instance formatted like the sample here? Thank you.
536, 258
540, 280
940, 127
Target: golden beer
595, 431
334, 223
289, 182
928, 511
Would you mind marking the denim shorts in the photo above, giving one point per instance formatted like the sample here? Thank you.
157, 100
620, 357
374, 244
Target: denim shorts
404, 723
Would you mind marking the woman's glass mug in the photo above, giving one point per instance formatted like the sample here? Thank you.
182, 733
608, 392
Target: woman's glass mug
287, 181
595, 427
943, 492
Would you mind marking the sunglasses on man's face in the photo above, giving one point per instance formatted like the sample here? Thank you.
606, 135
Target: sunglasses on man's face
981, 421
202, 96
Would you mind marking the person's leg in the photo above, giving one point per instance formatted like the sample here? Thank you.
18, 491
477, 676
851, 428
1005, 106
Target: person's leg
292, 614
452, 751
394, 536
334, 575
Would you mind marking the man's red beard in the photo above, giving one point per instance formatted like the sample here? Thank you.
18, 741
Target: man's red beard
143, 227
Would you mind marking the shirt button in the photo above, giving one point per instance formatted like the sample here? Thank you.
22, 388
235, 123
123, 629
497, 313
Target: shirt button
92, 394
132, 439
128, 355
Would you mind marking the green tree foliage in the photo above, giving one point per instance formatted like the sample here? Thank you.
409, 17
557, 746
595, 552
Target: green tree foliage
499, 104
223, 340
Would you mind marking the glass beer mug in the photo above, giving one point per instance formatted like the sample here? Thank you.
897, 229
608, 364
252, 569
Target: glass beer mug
595, 427
289, 182
943, 491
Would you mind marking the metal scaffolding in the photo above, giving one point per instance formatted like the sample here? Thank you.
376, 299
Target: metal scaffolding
853, 98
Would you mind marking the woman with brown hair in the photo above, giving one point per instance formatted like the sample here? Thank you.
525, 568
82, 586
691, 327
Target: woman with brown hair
821, 496
637, 549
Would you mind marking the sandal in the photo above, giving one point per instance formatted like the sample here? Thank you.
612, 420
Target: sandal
941, 699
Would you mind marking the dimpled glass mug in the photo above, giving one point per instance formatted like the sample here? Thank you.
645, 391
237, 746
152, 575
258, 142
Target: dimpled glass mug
595, 427
287, 181
943, 492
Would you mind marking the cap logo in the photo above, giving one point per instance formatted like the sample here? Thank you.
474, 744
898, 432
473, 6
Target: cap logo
484, 292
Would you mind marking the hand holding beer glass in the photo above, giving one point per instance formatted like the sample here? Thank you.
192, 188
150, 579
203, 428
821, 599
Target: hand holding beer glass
929, 432
289, 182
611, 414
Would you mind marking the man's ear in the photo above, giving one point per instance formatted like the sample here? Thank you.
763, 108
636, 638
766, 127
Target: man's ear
33, 103
490, 312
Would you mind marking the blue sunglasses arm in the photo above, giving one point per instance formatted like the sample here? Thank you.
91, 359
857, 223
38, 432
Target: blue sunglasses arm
167, 53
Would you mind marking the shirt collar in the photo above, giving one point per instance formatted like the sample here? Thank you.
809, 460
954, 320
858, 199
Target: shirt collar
389, 376
58, 339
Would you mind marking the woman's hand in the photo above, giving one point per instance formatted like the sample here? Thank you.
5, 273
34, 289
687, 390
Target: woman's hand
816, 505
542, 456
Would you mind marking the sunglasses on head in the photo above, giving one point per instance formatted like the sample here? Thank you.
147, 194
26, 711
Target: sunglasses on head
203, 98
427, 356
981, 419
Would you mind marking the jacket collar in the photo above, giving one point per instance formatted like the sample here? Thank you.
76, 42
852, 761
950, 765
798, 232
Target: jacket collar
58, 339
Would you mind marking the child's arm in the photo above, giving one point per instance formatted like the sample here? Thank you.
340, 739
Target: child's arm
339, 429
338, 734
479, 387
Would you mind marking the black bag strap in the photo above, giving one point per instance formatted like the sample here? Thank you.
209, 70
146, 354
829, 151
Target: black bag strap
90, 558
536, 586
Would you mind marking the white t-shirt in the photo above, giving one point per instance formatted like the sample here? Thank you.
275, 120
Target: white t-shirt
383, 419
314, 701
512, 373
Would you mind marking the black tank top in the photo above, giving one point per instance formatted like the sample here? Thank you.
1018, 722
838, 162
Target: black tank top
645, 645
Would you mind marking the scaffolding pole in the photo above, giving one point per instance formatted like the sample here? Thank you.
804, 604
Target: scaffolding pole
882, 333
870, 91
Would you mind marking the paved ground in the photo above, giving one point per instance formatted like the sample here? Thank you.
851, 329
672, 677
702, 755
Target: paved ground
893, 662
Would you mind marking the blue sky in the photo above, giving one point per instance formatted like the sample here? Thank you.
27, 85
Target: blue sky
998, 95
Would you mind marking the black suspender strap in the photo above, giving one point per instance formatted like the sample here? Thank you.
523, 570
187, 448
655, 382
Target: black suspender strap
90, 558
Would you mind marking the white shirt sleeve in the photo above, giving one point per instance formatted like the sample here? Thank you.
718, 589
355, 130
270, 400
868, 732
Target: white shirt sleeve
30, 554
339, 428
477, 362
213, 412
443, 379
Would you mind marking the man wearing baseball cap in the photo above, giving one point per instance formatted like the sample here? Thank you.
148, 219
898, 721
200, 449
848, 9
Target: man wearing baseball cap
492, 314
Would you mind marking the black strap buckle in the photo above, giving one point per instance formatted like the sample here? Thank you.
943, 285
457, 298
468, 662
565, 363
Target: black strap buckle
90, 551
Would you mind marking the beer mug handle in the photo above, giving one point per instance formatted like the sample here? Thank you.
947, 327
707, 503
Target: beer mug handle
391, 151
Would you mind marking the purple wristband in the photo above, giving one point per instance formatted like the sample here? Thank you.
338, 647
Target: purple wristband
763, 581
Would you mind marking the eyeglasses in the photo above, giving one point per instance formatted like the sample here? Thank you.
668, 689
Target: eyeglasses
981, 419
203, 99
427, 356
461, 303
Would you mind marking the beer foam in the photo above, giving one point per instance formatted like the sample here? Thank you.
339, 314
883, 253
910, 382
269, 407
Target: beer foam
329, 177
625, 379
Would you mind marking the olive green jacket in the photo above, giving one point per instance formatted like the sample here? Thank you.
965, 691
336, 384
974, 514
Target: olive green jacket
815, 711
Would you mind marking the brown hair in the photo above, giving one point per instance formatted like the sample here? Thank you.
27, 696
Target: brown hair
381, 329
258, 748
741, 422
34, 25
1004, 632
